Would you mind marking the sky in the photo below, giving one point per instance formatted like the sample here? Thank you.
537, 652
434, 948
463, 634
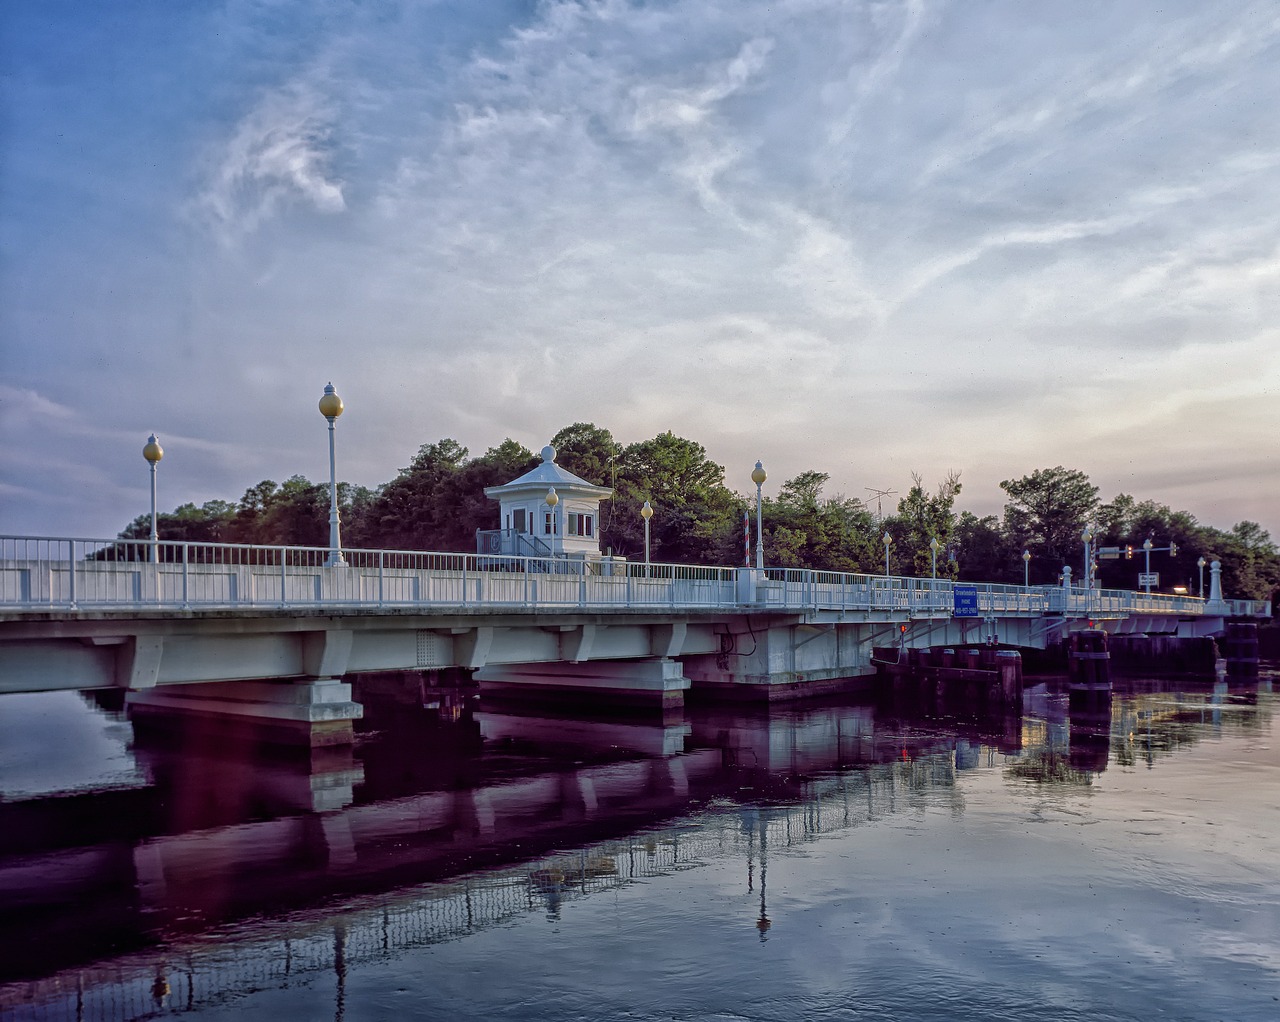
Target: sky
868, 238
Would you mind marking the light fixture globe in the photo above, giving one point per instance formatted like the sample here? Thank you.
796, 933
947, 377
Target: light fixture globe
757, 475
646, 512
153, 452
553, 498
330, 403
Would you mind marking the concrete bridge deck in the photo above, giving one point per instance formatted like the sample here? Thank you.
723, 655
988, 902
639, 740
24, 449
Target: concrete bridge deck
214, 625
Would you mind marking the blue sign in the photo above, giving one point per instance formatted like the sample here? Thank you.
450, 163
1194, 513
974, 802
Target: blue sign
965, 601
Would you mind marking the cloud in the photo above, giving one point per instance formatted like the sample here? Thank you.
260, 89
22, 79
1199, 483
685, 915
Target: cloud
279, 154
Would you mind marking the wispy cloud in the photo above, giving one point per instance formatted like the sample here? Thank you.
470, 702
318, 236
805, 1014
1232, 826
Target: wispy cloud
279, 154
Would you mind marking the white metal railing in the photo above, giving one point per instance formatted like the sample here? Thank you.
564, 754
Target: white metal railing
43, 573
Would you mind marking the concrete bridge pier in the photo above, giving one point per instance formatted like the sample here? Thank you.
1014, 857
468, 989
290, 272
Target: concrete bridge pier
308, 713
775, 662
656, 684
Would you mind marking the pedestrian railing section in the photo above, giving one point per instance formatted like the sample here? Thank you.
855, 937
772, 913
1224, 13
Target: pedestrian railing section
41, 573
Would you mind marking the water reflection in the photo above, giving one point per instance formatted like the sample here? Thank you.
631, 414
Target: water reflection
452, 817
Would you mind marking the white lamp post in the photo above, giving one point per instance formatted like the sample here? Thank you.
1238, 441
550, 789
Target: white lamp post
553, 499
331, 408
1087, 536
758, 477
1026, 569
153, 452
1146, 549
933, 556
1200, 564
646, 513
887, 541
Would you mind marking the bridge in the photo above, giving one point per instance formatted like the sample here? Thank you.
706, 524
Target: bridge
266, 633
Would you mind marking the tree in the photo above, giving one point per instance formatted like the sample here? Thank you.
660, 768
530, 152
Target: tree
409, 514
983, 553
694, 512
806, 530
1048, 510
922, 518
587, 451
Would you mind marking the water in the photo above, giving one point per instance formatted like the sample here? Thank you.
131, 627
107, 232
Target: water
842, 862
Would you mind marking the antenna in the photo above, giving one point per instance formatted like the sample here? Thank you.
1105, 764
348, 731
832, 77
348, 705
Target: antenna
880, 495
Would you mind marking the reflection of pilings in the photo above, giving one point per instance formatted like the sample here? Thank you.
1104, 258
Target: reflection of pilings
200, 974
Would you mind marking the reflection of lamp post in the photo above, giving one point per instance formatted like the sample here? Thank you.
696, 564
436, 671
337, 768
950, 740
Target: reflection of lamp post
1200, 564
553, 499
646, 513
933, 556
153, 452
758, 477
1026, 569
331, 408
763, 923
887, 540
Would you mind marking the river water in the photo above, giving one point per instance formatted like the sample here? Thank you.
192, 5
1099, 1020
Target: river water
845, 861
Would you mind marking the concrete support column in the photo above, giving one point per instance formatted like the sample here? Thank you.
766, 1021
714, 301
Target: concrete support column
315, 712
657, 683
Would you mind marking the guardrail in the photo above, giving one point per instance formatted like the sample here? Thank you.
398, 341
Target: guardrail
42, 573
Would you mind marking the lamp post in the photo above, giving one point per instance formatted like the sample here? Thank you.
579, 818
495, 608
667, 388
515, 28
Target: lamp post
1146, 549
1087, 536
758, 477
153, 452
1026, 569
933, 557
331, 408
646, 513
553, 499
1200, 564
887, 541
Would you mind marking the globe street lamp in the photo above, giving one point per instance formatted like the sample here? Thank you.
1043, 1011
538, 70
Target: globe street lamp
646, 513
1026, 569
758, 477
1200, 564
933, 556
331, 408
553, 499
1146, 549
887, 540
153, 452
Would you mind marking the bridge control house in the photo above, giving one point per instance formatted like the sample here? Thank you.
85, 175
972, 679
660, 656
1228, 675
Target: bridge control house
547, 512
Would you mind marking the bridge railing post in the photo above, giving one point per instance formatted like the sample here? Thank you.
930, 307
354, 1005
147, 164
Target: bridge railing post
382, 573
186, 577
71, 571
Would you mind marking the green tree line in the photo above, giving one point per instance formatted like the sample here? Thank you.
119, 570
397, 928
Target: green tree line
437, 503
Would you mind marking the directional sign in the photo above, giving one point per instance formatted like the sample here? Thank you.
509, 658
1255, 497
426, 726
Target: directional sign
964, 601
1109, 551
1148, 578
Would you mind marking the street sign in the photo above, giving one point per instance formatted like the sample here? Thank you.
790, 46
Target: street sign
1109, 552
1148, 578
964, 601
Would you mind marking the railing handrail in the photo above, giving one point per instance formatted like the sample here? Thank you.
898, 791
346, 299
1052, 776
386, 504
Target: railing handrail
645, 584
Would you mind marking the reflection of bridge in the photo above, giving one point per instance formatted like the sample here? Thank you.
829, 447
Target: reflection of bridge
198, 973
196, 630
812, 774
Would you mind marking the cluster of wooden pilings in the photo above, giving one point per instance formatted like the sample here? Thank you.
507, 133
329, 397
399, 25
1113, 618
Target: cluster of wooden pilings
1240, 649
1089, 670
982, 676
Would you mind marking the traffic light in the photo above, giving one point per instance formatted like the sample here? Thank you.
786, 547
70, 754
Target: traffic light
1173, 549
1128, 552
